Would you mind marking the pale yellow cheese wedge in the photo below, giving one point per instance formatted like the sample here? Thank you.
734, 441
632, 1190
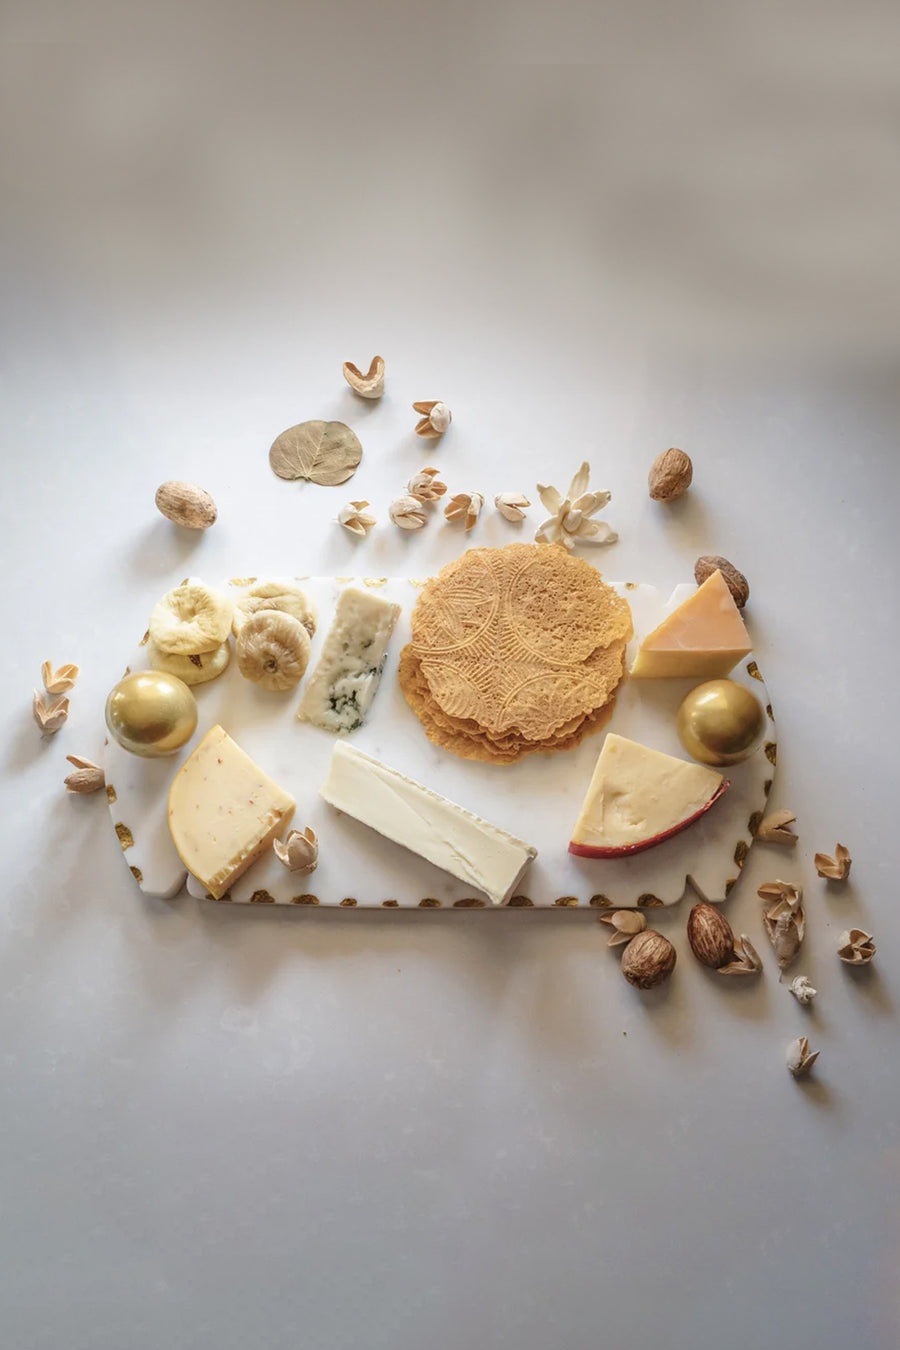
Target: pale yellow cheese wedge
224, 812
704, 637
639, 797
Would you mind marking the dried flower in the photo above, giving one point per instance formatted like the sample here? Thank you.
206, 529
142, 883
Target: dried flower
784, 919
856, 947
836, 868
746, 959
58, 681
626, 923
436, 418
800, 1058
299, 851
88, 776
570, 523
511, 505
370, 385
775, 829
425, 485
802, 990
465, 506
407, 512
355, 518
49, 716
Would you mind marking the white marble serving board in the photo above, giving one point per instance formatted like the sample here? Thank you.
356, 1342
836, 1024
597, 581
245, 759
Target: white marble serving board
537, 799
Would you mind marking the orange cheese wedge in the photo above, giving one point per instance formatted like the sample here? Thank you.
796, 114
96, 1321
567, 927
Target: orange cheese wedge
704, 637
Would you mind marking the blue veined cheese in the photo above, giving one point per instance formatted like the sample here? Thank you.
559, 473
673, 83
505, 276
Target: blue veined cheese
340, 690
478, 853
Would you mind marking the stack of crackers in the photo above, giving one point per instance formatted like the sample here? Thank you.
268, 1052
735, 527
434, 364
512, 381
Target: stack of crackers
515, 650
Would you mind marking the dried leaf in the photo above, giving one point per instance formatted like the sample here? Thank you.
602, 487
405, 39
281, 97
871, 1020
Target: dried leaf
322, 452
58, 681
49, 716
836, 868
775, 829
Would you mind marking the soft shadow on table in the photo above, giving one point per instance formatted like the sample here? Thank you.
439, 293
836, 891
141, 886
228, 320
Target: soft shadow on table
868, 984
28, 744
163, 547
687, 522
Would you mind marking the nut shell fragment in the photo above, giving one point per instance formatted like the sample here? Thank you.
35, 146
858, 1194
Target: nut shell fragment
465, 506
511, 505
784, 919
856, 947
59, 681
775, 829
836, 868
800, 1058
49, 716
746, 959
408, 512
625, 923
299, 851
355, 518
370, 385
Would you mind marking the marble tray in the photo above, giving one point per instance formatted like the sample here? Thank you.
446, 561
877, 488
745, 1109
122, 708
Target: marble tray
537, 799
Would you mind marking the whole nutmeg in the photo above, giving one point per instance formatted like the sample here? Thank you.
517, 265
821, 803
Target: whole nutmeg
710, 935
187, 505
736, 582
648, 959
670, 475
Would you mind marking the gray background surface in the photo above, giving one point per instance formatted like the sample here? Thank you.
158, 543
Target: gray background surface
228, 1129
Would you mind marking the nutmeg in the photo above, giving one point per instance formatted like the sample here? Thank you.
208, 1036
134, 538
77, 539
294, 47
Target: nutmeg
736, 582
670, 475
648, 959
187, 505
710, 935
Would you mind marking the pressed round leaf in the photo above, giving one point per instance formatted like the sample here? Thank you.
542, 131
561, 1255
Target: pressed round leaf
324, 452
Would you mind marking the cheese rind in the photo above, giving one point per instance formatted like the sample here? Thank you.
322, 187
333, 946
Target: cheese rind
454, 839
638, 797
346, 678
224, 812
704, 637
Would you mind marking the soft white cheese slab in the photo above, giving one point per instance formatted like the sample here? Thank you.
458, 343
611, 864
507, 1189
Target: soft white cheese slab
454, 839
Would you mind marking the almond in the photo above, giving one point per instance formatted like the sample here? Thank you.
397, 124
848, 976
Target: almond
187, 505
710, 935
648, 959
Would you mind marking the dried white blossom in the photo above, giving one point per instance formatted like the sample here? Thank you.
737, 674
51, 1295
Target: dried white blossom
570, 521
355, 518
300, 850
802, 990
435, 418
800, 1058
465, 506
408, 513
511, 505
425, 485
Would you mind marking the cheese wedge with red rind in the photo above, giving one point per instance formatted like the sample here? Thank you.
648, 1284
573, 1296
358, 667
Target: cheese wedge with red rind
703, 638
224, 812
639, 797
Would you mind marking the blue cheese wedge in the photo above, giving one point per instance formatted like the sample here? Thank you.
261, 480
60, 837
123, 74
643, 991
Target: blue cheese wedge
482, 855
345, 681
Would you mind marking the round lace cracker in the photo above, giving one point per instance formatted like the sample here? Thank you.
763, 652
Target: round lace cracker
523, 638
467, 741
